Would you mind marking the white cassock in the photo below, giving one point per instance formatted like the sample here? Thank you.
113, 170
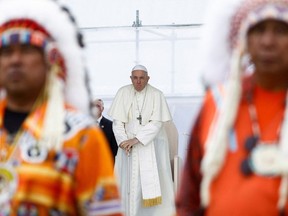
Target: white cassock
148, 175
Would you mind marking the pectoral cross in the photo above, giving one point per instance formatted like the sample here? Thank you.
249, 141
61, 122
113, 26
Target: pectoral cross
140, 119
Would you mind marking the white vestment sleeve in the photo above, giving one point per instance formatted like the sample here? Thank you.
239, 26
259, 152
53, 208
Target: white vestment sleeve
148, 133
119, 131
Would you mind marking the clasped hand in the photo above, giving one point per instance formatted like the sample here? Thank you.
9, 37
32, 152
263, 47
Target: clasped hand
128, 144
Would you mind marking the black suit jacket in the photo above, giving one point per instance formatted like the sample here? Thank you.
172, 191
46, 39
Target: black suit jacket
106, 126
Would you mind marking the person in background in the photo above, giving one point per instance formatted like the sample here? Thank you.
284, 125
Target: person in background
105, 124
237, 156
54, 161
142, 163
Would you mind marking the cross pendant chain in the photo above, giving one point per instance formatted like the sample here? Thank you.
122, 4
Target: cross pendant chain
140, 119
140, 111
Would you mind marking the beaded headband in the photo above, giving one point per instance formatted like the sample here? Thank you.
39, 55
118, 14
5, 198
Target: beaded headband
49, 24
226, 26
253, 12
54, 20
25, 31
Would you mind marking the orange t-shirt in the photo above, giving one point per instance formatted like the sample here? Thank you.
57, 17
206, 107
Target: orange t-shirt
232, 193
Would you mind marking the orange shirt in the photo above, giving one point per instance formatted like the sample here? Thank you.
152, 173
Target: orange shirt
232, 193
76, 180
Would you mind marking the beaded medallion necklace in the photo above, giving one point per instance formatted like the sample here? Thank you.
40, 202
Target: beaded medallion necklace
24, 146
253, 143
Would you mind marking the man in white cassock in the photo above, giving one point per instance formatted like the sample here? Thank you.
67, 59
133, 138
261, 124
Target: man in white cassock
142, 164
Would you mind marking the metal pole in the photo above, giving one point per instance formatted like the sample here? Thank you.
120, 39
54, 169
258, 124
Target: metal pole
137, 46
137, 23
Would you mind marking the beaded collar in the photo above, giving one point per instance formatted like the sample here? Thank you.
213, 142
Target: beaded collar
255, 138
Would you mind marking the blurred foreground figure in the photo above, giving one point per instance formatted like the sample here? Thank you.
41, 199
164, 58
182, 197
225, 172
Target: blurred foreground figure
238, 154
53, 161
142, 164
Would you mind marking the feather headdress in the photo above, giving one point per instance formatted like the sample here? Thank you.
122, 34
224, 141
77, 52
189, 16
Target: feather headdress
52, 17
50, 26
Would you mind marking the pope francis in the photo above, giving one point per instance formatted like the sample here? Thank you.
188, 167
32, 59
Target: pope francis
142, 163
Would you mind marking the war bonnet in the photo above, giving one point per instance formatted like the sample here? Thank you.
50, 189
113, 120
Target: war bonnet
225, 27
50, 26
43, 21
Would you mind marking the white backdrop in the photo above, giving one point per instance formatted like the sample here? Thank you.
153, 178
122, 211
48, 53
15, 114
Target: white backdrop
167, 43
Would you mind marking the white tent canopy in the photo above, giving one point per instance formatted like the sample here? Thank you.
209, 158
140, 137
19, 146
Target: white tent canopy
163, 35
